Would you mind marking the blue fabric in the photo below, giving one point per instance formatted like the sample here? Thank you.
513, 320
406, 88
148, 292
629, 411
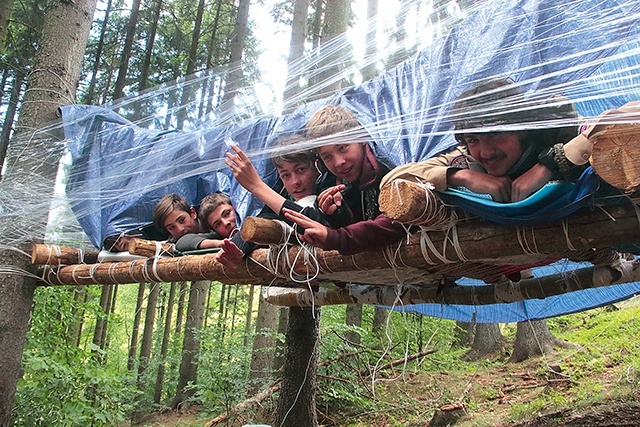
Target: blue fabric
544, 44
532, 309
551, 203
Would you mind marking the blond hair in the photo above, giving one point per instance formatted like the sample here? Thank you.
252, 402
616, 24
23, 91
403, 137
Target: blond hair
331, 119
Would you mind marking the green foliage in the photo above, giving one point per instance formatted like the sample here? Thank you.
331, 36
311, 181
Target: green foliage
65, 385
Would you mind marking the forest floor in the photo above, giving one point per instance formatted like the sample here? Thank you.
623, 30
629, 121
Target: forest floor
594, 385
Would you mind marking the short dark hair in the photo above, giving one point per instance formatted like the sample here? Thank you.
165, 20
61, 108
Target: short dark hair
166, 205
209, 204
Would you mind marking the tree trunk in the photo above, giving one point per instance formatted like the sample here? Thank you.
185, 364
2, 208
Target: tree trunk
191, 344
297, 404
317, 23
5, 14
148, 50
248, 322
378, 328
147, 341
118, 90
296, 51
133, 344
369, 70
192, 60
463, 334
487, 340
353, 318
157, 395
180, 313
98, 58
262, 353
533, 338
236, 48
77, 315
56, 66
7, 125
283, 321
99, 332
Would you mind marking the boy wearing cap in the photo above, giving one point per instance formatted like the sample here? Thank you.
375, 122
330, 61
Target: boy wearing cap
509, 165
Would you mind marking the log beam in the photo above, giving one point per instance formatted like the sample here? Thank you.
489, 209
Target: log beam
479, 241
61, 255
150, 248
624, 270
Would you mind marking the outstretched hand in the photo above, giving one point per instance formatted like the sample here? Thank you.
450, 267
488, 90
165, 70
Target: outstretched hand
242, 168
230, 256
314, 234
331, 199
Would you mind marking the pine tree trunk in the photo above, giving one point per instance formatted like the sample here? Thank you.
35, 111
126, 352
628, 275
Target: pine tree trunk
533, 338
191, 344
5, 14
7, 125
296, 50
297, 404
248, 320
148, 50
380, 316
262, 352
187, 89
118, 90
135, 330
180, 314
147, 341
99, 332
98, 57
283, 321
56, 66
157, 395
487, 340
236, 48
77, 315
353, 318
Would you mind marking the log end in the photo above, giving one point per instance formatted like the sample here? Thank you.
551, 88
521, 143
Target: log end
406, 201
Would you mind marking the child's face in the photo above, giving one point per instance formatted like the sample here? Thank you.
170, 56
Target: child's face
222, 220
496, 151
178, 223
299, 178
343, 160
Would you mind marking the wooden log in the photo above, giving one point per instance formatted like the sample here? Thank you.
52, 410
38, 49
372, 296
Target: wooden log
480, 241
616, 156
623, 270
61, 255
410, 203
263, 231
150, 248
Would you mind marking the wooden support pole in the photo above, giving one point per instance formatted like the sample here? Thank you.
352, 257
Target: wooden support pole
480, 241
263, 231
150, 248
623, 270
61, 255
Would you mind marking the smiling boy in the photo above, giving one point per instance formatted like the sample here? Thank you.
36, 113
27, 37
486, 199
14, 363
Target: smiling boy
349, 188
509, 165
298, 175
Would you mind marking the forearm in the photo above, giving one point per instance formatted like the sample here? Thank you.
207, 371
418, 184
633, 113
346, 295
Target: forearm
269, 196
365, 236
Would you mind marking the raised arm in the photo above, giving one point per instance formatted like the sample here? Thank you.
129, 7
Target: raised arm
247, 175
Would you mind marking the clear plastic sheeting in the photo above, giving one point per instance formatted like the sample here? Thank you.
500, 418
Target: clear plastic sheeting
121, 158
120, 170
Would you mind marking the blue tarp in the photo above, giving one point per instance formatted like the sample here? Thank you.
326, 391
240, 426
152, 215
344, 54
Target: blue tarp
541, 44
